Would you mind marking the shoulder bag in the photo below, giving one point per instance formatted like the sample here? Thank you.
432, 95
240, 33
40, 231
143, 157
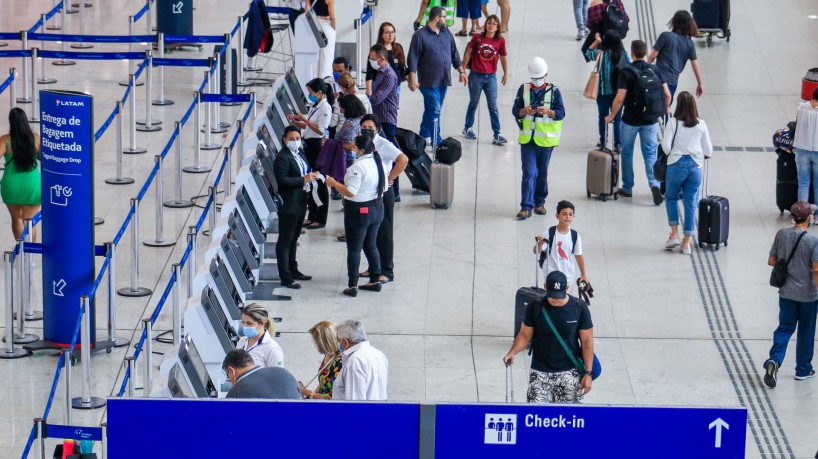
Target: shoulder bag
780, 271
596, 368
592, 86
660, 166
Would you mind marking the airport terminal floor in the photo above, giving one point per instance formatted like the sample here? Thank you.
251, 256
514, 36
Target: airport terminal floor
670, 330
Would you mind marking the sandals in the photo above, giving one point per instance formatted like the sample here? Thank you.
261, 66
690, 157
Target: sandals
462, 33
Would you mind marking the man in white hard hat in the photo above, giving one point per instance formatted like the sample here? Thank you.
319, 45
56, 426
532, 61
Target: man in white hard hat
539, 112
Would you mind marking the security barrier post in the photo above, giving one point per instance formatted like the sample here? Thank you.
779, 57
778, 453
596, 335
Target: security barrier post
63, 13
228, 173
110, 248
211, 216
13, 89
10, 352
26, 99
197, 168
159, 217
240, 51
149, 124
134, 290
208, 125
66, 354
39, 424
177, 305
43, 67
86, 401
54, 25
31, 315
147, 373
177, 202
130, 367
160, 38
35, 96
22, 336
191, 261
82, 28
133, 149
119, 179
239, 154
131, 63
218, 126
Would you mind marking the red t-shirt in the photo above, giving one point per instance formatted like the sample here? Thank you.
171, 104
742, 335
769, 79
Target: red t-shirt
486, 54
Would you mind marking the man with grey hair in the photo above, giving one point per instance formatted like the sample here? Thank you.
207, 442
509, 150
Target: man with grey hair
363, 375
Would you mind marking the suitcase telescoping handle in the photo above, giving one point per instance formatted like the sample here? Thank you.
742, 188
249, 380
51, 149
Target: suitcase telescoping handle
509, 384
705, 178
537, 253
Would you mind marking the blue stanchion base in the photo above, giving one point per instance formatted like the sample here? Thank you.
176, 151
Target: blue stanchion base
119, 181
145, 128
163, 243
54, 27
162, 102
64, 63
33, 317
134, 151
210, 146
3, 44
15, 354
98, 221
82, 46
46, 81
178, 204
92, 403
140, 291
196, 170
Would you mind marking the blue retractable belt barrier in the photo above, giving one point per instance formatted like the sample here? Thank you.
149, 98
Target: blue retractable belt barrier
366, 15
194, 38
163, 62
93, 38
90, 56
74, 432
141, 13
226, 98
6, 83
105, 125
9, 36
278, 10
16, 53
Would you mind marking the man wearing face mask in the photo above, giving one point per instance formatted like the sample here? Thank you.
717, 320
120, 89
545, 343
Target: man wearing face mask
363, 376
539, 111
251, 381
295, 179
384, 98
431, 54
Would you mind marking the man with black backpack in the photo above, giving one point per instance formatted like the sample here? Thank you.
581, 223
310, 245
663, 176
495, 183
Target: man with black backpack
646, 97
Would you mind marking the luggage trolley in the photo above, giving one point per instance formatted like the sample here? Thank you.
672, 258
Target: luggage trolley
712, 18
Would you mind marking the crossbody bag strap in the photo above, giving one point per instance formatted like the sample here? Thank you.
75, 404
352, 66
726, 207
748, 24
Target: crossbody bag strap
792, 253
673, 140
580, 368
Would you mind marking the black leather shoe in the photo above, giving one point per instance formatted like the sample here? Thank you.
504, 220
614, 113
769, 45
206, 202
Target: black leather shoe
301, 276
371, 287
292, 285
657, 195
352, 291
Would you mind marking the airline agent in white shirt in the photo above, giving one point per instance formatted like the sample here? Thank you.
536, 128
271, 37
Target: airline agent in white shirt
363, 188
365, 370
258, 330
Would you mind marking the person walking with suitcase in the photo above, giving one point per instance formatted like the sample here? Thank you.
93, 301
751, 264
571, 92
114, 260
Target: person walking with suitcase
539, 111
797, 251
482, 54
687, 143
645, 97
554, 377
806, 146
613, 60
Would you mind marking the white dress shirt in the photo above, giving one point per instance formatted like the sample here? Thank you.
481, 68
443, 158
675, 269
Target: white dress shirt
806, 135
388, 151
363, 375
320, 115
361, 179
266, 352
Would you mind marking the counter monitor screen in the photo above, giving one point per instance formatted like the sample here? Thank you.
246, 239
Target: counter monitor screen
296, 90
263, 136
224, 331
177, 383
265, 187
276, 122
195, 368
285, 102
246, 204
227, 291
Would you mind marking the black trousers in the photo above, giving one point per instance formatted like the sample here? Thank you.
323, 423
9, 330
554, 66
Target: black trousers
389, 133
386, 247
361, 223
312, 148
289, 230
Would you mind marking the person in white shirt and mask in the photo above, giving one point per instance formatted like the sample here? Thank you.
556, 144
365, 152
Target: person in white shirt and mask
365, 369
258, 330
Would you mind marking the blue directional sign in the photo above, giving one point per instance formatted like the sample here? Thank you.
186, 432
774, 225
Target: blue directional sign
67, 163
588, 431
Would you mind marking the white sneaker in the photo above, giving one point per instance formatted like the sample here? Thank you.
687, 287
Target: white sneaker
672, 242
580, 34
686, 250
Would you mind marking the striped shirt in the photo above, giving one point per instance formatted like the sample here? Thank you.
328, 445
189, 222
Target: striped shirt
385, 99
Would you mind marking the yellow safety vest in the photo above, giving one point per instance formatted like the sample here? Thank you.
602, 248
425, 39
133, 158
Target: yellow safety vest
449, 7
545, 131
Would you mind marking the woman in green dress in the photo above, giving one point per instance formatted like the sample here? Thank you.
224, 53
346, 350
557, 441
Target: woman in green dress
20, 185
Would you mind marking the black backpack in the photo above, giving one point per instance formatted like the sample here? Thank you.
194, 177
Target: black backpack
649, 101
616, 19
449, 151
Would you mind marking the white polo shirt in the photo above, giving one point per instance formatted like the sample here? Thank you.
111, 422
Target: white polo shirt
266, 352
361, 179
363, 375
320, 115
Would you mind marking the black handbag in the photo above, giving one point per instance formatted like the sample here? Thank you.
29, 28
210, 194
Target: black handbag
778, 277
660, 166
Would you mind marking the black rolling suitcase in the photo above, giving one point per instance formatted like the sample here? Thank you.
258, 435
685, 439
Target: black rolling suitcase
707, 13
714, 216
786, 182
419, 172
528, 295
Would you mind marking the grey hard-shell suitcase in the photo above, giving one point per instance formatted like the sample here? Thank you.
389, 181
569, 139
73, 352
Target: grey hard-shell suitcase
441, 186
602, 173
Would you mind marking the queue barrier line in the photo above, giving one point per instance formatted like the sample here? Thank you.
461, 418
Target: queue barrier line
86, 56
48, 16
72, 38
106, 124
194, 38
142, 12
7, 83
15, 52
9, 36
165, 62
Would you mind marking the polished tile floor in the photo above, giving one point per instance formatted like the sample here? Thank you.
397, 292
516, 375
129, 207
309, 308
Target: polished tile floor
446, 321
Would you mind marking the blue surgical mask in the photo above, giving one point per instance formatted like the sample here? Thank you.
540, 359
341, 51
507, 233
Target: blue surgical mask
249, 332
336, 75
339, 348
312, 98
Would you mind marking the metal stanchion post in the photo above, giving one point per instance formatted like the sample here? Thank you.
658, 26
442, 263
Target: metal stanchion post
191, 261
228, 173
149, 124
357, 25
133, 290
197, 167
255, 107
30, 315
35, 96
13, 89
149, 19
86, 402
66, 355
110, 248
39, 424
130, 367
230, 65
43, 67
133, 149
64, 62
131, 62
208, 125
159, 186
211, 216
104, 440
240, 51
119, 179
177, 202
239, 154
82, 28
54, 25
10, 352
147, 373
218, 126
26, 99
160, 38
22, 336
177, 305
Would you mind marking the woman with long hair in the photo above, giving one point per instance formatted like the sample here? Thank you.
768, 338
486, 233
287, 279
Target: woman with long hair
613, 59
687, 143
20, 186
395, 55
325, 340
482, 54
258, 333
674, 48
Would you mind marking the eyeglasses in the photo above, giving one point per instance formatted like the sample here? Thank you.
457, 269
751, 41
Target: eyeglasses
389, 32
492, 23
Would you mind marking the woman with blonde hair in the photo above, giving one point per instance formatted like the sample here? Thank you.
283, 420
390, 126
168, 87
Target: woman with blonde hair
323, 335
258, 331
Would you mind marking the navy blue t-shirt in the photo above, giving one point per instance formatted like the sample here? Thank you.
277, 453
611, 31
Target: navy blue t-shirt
549, 354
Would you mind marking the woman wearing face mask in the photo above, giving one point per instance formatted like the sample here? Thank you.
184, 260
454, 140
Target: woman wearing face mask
315, 126
323, 335
258, 330
363, 188
294, 178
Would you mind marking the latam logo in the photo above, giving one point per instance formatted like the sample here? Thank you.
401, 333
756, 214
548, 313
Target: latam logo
70, 103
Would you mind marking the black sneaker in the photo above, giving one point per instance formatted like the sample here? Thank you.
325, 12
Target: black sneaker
770, 373
657, 195
809, 376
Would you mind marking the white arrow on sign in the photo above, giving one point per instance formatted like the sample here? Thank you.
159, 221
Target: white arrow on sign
58, 286
719, 424
177, 8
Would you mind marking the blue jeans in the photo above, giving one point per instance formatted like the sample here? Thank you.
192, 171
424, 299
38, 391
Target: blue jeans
432, 104
581, 13
534, 185
683, 176
806, 162
604, 105
649, 141
791, 314
479, 82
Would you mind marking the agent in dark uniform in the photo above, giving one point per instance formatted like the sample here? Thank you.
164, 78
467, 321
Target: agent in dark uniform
294, 178
363, 187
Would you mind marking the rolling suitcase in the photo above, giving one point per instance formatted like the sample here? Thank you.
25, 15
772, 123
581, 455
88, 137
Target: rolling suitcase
707, 13
714, 216
441, 192
602, 173
419, 172
528, 295
786, 182
509, 385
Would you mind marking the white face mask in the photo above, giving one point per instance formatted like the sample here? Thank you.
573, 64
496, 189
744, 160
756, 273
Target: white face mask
294, 145
374, 63
538, 82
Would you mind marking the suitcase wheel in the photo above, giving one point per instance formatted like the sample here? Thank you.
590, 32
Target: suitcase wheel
701, 245
709, 40
588, 192
604, 198
725, 243
616, 197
